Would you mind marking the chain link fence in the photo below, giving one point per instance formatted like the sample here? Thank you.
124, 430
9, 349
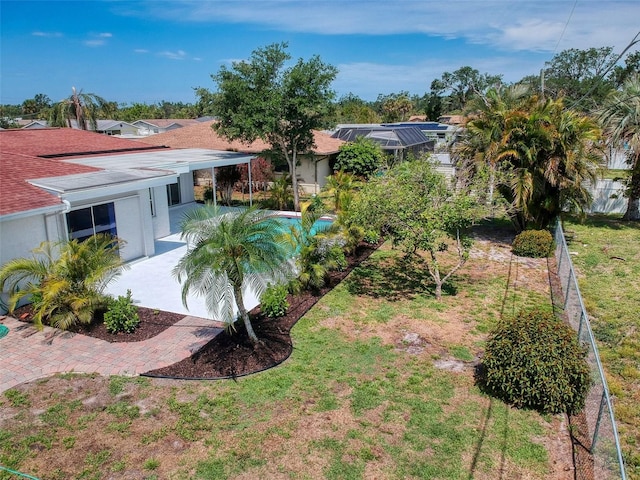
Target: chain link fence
596, 445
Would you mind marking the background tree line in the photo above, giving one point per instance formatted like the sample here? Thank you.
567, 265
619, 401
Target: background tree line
582, 77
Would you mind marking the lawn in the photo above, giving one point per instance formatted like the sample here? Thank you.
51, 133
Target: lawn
606, 255
380, 385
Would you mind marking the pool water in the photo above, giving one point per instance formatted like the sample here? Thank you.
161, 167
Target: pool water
319, 226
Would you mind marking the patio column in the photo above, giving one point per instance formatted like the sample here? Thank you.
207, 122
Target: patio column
213, 185
250, 184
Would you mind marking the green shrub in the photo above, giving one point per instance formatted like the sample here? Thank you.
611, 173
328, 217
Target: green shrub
273, 301
121, 315
533, 243
207, 194
534, 361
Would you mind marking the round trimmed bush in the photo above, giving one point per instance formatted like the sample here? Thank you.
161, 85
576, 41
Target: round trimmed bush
533, 244
534, 361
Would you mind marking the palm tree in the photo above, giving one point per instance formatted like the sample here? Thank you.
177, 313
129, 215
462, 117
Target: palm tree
318, 250
342, 186
620, 118
539, 154
228, 253
84, 108
553, 157
64, 279
281, 193
480, 148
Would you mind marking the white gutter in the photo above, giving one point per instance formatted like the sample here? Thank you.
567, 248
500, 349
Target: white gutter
108, 190
52, 209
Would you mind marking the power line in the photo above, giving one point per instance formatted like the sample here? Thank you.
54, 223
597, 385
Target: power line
633, 41
565, 26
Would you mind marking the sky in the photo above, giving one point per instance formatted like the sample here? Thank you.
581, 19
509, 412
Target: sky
150, 51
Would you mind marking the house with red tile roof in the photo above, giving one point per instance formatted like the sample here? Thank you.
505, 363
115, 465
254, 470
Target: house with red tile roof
312, 172
62, 183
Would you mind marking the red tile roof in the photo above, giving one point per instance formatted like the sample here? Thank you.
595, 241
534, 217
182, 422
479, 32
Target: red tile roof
20, 160
201, 135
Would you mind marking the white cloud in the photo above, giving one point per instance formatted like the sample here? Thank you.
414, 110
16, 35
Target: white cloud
369, 80
94, 43
97, 39
531, 25
47, 34
177, 55
141, 50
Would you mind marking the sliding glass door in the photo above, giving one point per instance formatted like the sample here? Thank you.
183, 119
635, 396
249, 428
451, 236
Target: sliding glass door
89, 221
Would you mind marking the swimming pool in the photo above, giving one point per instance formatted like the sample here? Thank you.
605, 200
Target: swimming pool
319, 226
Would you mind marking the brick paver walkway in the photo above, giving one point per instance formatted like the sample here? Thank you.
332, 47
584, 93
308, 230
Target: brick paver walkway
27, 354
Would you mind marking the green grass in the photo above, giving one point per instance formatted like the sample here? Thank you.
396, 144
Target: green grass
612, 174
352, 406
607, 261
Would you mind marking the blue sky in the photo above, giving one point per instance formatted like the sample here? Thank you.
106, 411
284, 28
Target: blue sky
148, 51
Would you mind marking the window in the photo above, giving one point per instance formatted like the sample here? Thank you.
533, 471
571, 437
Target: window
173, 193
85, 222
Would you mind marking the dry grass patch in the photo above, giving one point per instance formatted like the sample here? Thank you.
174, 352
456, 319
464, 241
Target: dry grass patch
360, 397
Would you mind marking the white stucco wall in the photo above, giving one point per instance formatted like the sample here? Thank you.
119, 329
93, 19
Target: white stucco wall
160, 222
187, 194
18, 238
131, 227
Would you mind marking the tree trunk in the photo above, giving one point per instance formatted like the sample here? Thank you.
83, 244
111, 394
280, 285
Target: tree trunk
438, 291
633, 208
237, 291
294, 182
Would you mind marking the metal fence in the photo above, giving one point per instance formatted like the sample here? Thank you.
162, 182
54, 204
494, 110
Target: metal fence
594, 431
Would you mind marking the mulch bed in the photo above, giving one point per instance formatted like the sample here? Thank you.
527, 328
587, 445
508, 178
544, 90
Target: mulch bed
229, 354
233, 355
152, 322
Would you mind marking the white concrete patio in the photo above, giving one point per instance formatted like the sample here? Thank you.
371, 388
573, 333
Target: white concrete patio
150, 280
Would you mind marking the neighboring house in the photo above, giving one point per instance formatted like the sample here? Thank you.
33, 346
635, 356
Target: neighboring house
161, 125
442, 134
395, 139
105, 127
34, 124
312, 170
65, 183
452, 119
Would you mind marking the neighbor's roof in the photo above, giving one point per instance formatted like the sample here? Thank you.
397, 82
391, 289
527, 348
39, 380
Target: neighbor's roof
202, 135
29, 154
389, 138
167, 122
102, 125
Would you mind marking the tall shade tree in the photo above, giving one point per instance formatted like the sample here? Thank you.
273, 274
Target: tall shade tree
84, 108
282, 106
65, 279
580, 76
228, 254
462, 85
413, 204
620, 117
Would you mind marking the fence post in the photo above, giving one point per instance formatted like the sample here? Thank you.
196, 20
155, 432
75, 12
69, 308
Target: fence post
580, 325
566, 297
595, 430
561, 251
